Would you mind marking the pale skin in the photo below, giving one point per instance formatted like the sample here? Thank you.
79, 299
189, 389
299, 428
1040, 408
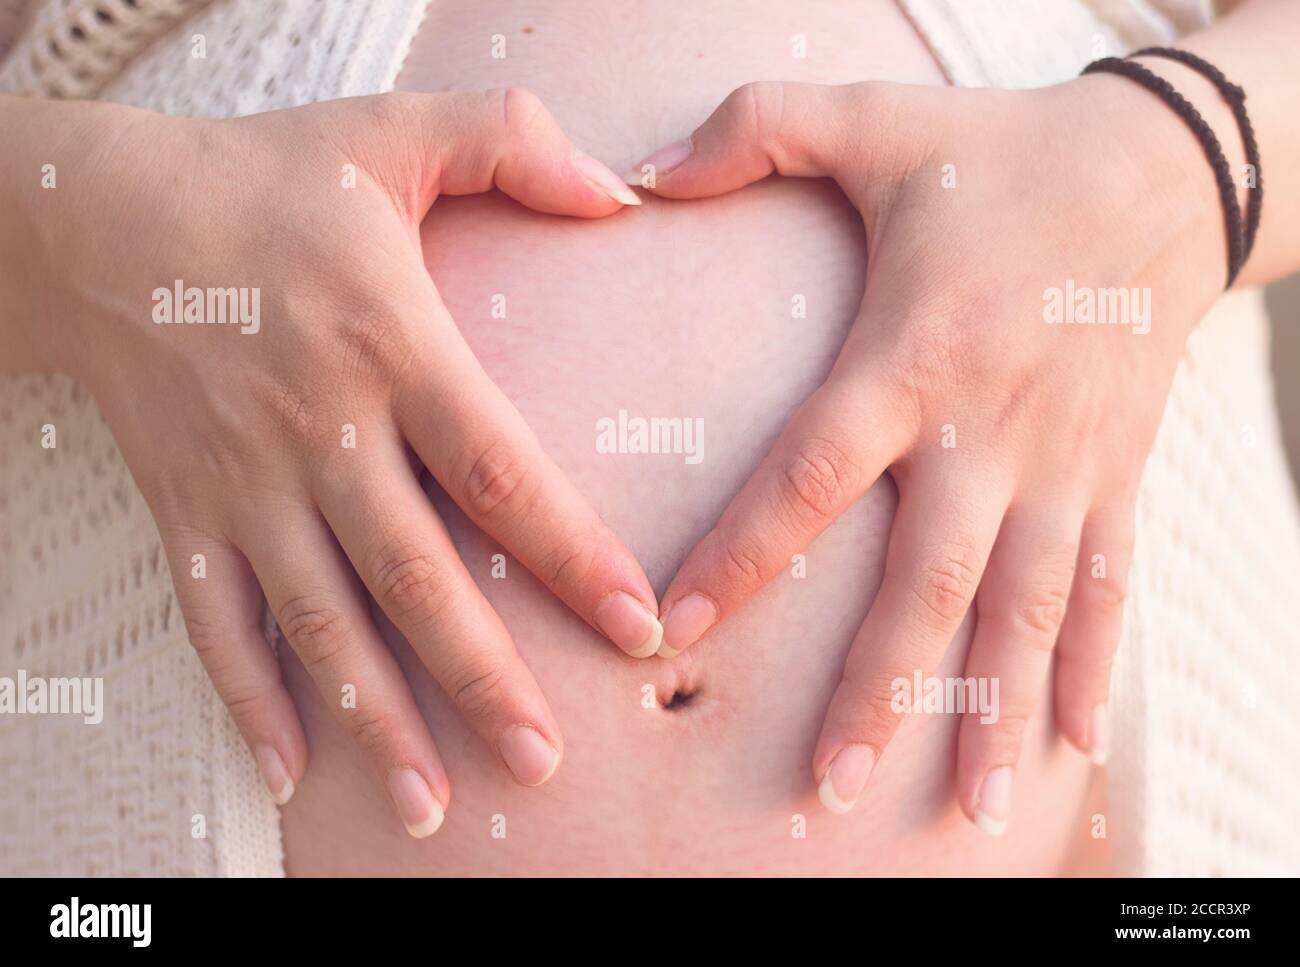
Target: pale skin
1016, 446
237, 441
238, 449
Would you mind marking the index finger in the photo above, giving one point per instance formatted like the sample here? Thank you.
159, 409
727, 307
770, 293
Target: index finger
478, 447
837, 445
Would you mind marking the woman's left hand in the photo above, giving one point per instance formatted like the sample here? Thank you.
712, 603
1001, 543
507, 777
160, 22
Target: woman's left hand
1016, 441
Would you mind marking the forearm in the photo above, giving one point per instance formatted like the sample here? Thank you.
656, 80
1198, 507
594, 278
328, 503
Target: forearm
52, 194
1258, 48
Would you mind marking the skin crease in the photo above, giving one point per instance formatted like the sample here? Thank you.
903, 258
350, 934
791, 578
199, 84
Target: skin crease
1016, 411
642, 311
1052, 478
1038, 524
1041, 456
346, 305
1059, 438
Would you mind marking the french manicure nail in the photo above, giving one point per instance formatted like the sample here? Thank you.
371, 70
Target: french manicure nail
994, 806
846, 778
420, 811
1099, 736
661, 162
605, 180
529, 756
685, 623
278, 781
629, 624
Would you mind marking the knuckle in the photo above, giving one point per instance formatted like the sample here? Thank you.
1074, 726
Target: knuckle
221, 663
205, 636
477, 690
872, 708
1108, 592
1006, 734
520, 108
764, 103
567, 564
946, 584
313, 626
244, 703
743, 563
407, 582
1037, 609
817, 481
370, 732
1040, 613
497, 485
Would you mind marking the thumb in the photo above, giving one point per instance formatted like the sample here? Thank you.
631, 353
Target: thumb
796, 130
424, 145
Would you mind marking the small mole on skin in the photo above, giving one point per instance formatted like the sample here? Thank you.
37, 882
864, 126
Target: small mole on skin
528, 30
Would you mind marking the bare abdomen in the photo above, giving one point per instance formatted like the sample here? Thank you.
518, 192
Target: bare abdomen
680, 310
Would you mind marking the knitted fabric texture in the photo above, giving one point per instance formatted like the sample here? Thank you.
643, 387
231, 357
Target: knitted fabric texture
1205, 766
165, 784
1204, 772
71, 48
13, 17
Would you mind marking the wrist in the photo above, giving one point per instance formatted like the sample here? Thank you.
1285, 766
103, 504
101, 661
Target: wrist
64, 185
1156, 164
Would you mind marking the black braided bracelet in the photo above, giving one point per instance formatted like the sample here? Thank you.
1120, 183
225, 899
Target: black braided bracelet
1236, 98
1209, 144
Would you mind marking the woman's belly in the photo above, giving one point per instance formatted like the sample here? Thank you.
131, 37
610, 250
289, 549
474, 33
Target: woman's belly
686, 311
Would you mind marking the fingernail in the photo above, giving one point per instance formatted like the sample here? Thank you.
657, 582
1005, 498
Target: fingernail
661, 162
420, 812
274, 774
629, 624
994, 806
846, 778
685, 623
530, 757
1100, 736
605, 180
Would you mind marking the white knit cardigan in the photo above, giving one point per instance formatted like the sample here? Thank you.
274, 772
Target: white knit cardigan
1204, 776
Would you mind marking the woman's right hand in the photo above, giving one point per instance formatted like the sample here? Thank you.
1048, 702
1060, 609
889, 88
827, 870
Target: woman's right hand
284, 461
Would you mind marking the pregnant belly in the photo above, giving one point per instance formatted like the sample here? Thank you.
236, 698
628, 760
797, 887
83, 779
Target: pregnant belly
722, 314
